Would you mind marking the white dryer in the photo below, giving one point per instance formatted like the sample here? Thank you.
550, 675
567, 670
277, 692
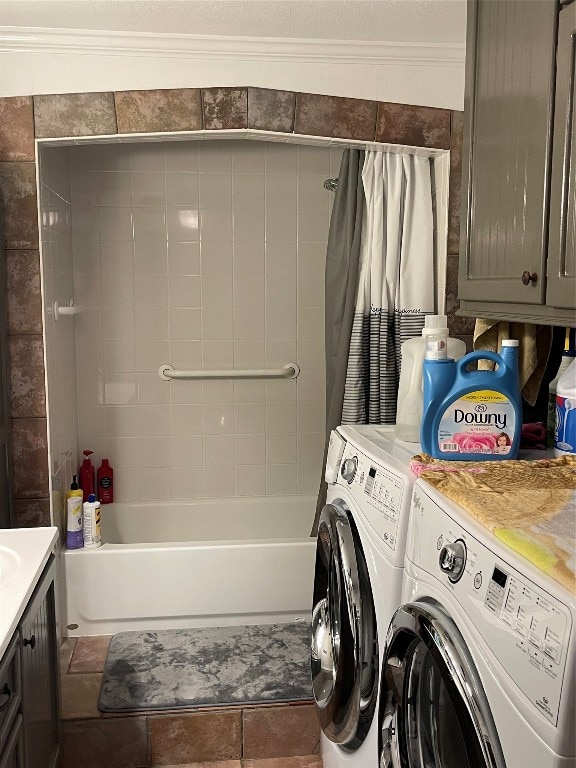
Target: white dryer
357, 585
480, 659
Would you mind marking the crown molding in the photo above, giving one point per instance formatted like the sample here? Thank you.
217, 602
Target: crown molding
298, 50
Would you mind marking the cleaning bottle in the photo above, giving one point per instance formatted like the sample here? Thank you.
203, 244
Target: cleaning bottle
87, 476
74, 535
409, 408
565, 431
568, 356
91, 526
470, 415
105, 480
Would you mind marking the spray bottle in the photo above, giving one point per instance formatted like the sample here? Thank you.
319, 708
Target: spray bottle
471, 415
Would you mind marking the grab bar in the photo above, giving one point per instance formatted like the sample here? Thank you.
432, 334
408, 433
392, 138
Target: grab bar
290, 371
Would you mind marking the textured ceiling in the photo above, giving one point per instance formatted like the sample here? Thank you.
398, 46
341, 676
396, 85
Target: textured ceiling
408, 21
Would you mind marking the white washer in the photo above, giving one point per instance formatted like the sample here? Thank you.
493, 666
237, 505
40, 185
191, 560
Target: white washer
357, 585
480, 659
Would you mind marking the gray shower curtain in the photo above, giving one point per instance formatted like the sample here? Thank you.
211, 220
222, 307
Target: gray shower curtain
342, 258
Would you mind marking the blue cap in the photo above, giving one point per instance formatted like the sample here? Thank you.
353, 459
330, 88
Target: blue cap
91, 498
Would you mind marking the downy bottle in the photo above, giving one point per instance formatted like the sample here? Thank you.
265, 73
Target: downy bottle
471, 415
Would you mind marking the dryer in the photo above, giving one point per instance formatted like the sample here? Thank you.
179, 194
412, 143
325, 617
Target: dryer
357, 585
479, 665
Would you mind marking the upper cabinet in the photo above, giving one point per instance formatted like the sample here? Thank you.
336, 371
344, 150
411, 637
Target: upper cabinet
561, 287
517, 257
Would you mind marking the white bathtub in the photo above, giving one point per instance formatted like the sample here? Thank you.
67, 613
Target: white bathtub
206, 562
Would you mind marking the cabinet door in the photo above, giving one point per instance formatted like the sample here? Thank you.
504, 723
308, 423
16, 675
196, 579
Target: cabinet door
12, 755
509, 88
561, 289
40, 699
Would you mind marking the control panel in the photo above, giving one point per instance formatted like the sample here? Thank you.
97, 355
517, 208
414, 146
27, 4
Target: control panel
526, 628
380, 494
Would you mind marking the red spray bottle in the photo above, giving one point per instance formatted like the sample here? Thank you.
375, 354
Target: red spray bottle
87, 476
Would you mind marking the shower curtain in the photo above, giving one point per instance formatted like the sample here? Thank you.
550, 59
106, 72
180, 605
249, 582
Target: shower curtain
396, 284
381, 280
341, 282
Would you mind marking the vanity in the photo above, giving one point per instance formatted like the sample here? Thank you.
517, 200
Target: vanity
29, 678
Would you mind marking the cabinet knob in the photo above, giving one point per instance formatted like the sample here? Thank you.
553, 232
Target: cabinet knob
31, 642
529, 277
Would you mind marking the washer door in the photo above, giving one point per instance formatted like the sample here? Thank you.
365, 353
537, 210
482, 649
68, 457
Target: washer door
433, 709
344, 652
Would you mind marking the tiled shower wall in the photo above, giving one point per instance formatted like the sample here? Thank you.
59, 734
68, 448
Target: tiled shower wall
22, 118
206, 254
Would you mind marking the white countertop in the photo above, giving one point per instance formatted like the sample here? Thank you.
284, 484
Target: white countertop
23, 554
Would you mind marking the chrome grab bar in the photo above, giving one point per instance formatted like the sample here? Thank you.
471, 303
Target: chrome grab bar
290, 371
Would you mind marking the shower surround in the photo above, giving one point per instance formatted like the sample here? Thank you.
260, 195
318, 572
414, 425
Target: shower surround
24, 118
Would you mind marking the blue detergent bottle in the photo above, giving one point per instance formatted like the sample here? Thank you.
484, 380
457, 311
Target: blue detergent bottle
472, 415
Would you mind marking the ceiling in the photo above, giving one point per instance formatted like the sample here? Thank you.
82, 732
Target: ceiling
402, 21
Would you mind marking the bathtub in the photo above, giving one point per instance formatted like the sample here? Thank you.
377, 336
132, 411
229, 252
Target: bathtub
199, 563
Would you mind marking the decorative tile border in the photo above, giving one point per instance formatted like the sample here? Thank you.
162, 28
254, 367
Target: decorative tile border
74, 114
132, 116
160, 110
16, 129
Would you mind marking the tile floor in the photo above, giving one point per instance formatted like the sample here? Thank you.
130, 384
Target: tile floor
273, 736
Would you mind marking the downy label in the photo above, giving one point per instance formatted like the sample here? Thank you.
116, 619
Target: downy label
482, 421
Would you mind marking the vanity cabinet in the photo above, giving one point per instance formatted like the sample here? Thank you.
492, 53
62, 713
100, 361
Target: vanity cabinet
29, 684
517, 219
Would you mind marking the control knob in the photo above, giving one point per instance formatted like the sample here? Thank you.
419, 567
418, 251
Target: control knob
348, 470
453, 560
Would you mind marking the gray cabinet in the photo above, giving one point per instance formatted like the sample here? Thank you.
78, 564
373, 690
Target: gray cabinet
561, 286
29, 685
505, 264
40, 677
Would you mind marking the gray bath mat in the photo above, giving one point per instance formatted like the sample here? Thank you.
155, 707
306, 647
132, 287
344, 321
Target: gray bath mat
206, 667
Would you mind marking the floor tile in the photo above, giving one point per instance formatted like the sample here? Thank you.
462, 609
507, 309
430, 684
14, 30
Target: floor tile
118, 743
90, 654
79, 696
66, 650
211, 736
281, 731
299, 761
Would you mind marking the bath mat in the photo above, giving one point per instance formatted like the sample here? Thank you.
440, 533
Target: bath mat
207, 667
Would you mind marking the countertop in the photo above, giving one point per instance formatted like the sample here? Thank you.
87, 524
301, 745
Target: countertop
23, 554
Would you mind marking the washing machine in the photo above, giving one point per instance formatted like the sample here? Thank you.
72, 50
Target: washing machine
357, 585
479, 665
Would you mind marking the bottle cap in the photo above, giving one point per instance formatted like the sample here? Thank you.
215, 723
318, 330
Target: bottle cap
510, 343
435, 324
74, 484
87, 453
91, 498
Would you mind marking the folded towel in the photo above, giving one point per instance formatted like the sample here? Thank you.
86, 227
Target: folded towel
529, 505
535, 342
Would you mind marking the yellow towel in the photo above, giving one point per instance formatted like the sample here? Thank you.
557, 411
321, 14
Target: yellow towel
534, 350
529, 505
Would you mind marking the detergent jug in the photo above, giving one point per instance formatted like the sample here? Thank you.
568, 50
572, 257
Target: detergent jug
471, 415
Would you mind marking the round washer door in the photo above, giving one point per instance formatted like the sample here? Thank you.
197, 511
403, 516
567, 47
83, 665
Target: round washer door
433, 709
344, 648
